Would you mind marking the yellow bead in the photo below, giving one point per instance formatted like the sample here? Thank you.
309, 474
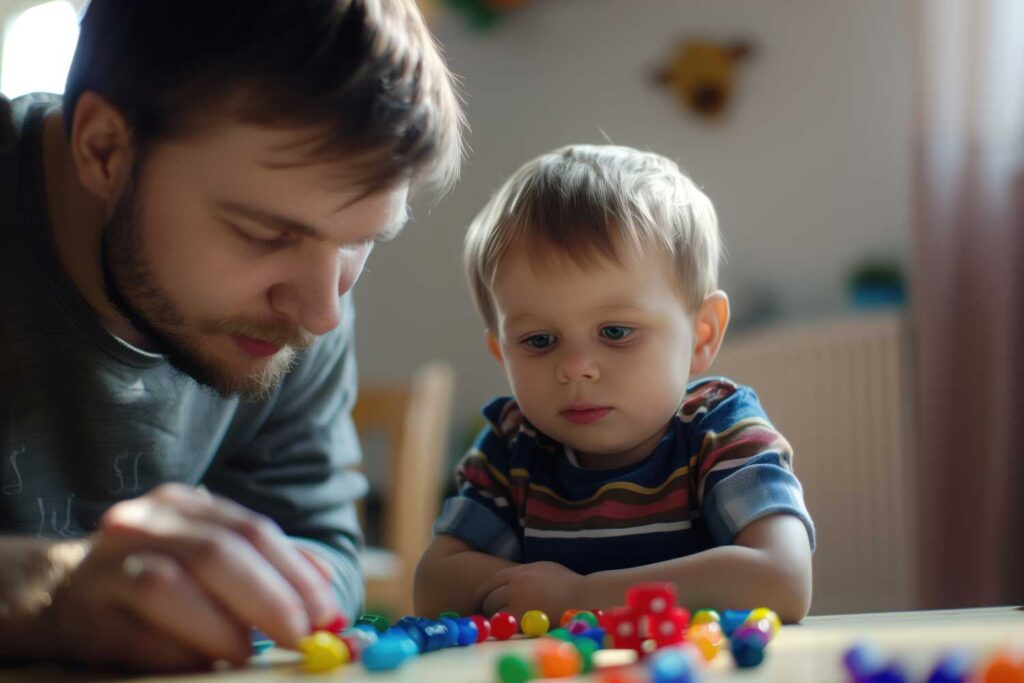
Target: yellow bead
535, 623
706, 616
324, 651
765, 613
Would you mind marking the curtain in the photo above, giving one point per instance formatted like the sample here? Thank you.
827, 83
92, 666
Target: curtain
968, 294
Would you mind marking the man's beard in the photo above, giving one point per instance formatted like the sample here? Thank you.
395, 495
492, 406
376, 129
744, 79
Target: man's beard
133, 290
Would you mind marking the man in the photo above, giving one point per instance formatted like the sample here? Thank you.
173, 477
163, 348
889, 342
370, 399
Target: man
177, 238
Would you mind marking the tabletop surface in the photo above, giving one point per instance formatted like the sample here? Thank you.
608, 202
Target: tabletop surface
809, 652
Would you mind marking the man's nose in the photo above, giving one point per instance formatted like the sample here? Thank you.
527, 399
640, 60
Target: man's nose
312, 296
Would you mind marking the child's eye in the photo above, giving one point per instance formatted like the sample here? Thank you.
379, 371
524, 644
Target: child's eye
616, 332
539, 341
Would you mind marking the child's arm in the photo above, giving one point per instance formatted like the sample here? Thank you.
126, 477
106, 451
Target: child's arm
769, 566
448, 575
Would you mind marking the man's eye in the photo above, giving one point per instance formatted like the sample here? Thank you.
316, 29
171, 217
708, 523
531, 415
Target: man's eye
539, 341
616, 332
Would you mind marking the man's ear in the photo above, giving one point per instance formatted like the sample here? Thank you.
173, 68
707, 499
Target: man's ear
101, 146
711, 320
494, 346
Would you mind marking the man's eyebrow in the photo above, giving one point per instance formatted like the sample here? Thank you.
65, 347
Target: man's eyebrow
285, 224
270, 220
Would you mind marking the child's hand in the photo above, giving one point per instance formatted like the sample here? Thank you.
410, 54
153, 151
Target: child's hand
547, 586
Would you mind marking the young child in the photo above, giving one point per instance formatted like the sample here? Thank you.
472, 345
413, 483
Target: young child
595, 269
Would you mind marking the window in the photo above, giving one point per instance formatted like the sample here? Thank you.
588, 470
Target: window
37, 49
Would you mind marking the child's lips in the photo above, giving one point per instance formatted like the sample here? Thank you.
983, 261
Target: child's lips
585, 414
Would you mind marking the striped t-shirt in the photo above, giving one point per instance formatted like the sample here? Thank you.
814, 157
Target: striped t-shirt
720, 466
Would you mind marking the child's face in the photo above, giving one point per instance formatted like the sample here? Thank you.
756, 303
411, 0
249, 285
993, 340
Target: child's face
598, 358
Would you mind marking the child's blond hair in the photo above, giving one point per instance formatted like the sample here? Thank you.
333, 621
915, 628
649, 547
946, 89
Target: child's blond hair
588, 201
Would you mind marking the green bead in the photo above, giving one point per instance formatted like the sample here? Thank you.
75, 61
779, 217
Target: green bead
379, 623
560, 634
513, 668
586, 648
448, 615
588, 617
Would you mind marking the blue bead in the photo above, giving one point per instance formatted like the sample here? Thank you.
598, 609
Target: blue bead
437, 636
671, 666
732, 619
453, 631
468, 631
892, 673
409, 631
747, 651
863, 660
954, 667
389, 652
594, 634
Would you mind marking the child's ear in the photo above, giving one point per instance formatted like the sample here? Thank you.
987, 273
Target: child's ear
494, 346
711, 319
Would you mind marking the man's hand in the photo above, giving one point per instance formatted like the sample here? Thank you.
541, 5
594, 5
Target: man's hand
175, 579
546, 586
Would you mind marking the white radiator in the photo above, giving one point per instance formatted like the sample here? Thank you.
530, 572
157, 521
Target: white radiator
838, 390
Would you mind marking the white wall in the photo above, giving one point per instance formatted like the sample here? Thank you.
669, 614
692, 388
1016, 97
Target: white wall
810, 173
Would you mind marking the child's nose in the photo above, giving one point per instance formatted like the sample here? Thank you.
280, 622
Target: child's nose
576, 366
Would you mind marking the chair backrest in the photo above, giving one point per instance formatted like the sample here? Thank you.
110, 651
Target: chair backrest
414, 420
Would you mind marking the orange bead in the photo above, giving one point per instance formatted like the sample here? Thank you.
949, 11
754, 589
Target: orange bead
567, 616
557, 659
1003, 668
707, 637
623, 675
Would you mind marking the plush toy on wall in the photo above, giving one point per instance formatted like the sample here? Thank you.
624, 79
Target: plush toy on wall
702, 74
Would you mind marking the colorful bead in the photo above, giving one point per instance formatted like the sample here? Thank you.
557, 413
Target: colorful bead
448, 615
336, 625
560, 634
672, 665
747, 647
323, 651
577, 627
707, 637
732, 619
503, 625
954, 667
468, 632
595, 634
453, 631
557, 659
483, 627
567, 616
375, 620
586, 647
514, 668
586, 616
765, 613
706, 616
389, 653
535, 623
1004, 667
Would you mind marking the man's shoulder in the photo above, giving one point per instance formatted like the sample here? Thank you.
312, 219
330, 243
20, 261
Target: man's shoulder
13, 114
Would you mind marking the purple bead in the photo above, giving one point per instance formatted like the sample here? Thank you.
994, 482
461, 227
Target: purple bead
752, 634
863, 660
578, 627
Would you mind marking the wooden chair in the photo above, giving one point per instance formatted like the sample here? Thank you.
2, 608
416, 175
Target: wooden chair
413, 419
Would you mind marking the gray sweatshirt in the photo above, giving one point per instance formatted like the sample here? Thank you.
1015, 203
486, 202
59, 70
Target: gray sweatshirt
86, 420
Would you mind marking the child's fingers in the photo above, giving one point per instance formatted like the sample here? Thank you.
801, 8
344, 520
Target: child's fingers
497, 600
487, 587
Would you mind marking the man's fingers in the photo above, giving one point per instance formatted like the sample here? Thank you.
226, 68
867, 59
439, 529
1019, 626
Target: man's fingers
224, 564
266, 537
163, 594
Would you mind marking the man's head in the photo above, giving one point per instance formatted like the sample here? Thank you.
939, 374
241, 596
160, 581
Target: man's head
595, 270
249, 154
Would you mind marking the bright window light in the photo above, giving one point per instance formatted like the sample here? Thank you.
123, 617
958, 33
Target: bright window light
37, 49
